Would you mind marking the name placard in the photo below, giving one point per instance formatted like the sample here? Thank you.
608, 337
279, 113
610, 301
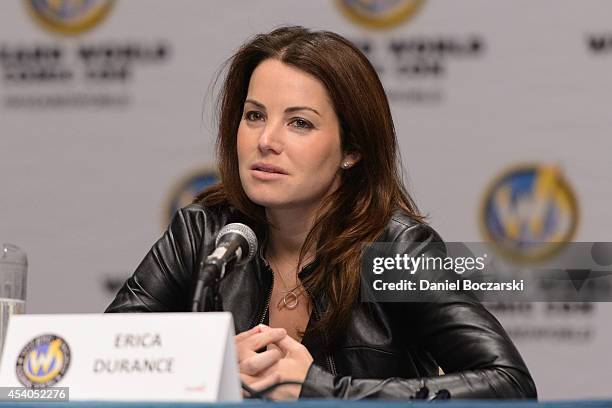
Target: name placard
124, 357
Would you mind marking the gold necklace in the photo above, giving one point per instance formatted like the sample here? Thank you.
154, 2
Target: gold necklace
291, 299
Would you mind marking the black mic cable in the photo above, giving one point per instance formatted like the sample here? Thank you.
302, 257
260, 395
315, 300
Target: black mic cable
264, 391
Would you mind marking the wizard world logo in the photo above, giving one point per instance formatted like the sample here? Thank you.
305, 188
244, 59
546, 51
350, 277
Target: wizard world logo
69, 17
43, 362
186, 189
528, 206
379, 13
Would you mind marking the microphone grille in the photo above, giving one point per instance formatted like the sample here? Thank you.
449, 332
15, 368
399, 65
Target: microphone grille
244, 231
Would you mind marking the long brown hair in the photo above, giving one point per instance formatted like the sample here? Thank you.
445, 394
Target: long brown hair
358, 211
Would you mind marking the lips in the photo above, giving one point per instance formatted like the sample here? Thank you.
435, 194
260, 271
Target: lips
266, 172
268, 168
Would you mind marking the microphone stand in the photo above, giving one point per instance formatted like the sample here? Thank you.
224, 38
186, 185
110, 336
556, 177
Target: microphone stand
209, 277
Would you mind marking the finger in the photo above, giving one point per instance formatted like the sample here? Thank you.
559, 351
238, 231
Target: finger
260, 340
260, 361
266, 381
244, 353
274, 368
248, 333
248, 347
286, 344
247, 379
273, 346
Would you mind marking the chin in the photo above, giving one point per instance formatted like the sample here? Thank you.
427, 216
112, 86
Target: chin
281, 197
268, 200
265, 198
271, 201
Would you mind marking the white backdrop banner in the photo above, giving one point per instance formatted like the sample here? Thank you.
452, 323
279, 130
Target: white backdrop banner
105, 129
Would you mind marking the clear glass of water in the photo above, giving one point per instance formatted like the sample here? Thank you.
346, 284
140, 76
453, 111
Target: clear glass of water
13, 272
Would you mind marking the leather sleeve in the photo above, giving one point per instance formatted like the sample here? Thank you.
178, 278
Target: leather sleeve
466, 341
162, 281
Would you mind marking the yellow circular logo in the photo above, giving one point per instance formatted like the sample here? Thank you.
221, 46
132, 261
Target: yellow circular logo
69, 17
186, 189
43, 361
529, 212
379, 13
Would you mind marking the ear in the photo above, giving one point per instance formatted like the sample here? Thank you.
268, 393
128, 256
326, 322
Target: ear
352, 158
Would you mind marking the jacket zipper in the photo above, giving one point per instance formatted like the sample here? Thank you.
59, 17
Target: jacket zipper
330, 360
263, 315
328, 357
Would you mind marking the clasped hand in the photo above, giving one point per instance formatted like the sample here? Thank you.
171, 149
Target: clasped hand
284, 359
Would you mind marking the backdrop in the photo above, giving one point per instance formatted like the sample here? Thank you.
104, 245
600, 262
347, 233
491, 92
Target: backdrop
106, 128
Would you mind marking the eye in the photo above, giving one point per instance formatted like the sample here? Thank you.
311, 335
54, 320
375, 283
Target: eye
254, 116
301, 123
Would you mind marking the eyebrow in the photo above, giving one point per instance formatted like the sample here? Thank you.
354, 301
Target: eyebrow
288, 110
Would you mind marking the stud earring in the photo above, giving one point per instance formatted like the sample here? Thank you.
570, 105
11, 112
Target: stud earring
346, 165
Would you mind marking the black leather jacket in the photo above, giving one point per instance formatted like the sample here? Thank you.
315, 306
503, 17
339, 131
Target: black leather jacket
390, 350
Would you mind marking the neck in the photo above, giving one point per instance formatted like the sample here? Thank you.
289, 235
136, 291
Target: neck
287, 233
288, 228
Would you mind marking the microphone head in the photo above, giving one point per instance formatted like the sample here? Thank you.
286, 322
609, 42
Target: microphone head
248, 240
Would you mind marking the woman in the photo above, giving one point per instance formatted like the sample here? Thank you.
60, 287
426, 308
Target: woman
308, 158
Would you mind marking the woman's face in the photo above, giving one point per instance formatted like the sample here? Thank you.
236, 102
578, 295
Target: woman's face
289, 149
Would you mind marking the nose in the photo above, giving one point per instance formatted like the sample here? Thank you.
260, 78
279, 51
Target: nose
270, 138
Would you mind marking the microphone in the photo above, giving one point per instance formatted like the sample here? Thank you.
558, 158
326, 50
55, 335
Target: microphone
235, 242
